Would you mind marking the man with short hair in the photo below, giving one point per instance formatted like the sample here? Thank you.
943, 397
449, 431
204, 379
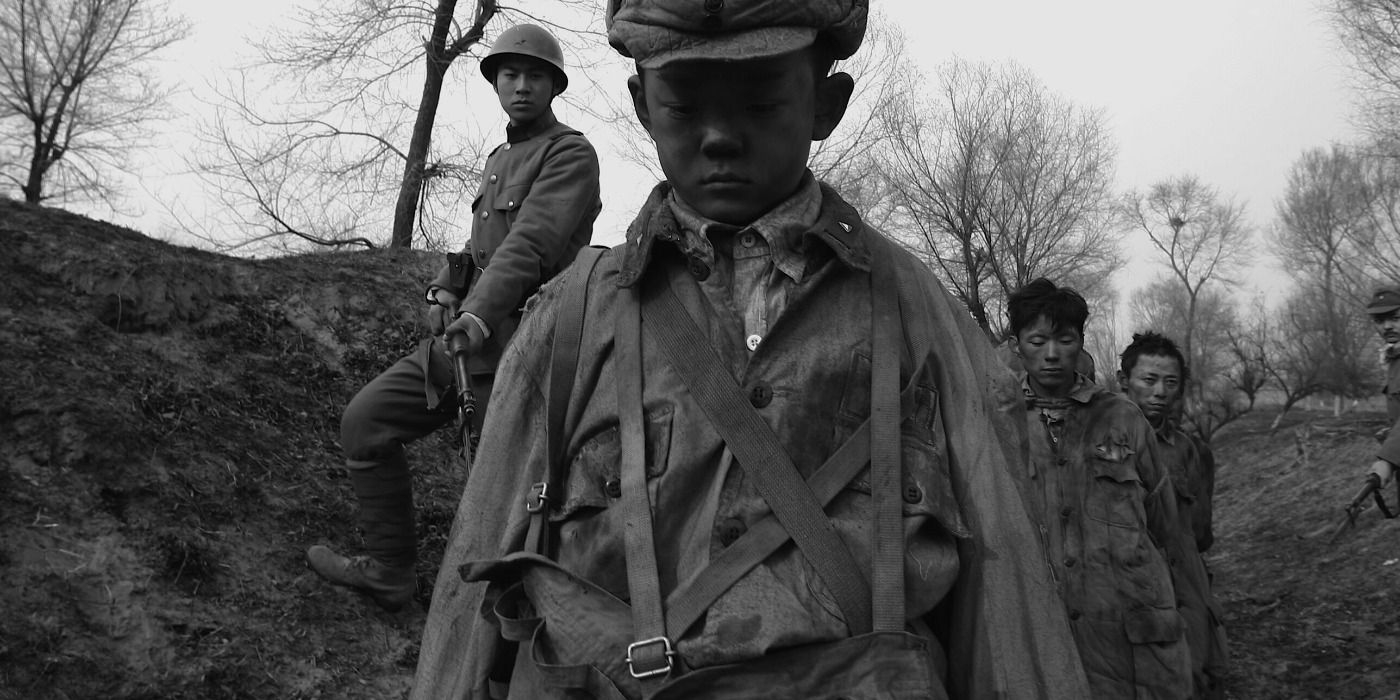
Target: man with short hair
777, 470
1153, 375
538, 199
1105, 506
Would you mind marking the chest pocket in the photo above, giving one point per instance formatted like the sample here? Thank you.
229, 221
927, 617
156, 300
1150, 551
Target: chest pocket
595, 476
926, 486
1116, 490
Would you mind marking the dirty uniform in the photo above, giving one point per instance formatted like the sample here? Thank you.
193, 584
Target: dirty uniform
786, 303
539, 197
1191, 465
1106, 508
1390, 445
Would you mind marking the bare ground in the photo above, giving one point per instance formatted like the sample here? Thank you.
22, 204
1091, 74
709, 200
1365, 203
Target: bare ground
168, 448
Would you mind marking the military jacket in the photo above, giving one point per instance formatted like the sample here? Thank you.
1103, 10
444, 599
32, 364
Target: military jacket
538, 199
1108, 514
1191, 465
971, 553
1390, 447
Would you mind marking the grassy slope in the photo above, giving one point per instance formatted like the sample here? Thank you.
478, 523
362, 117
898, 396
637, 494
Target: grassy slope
168, 446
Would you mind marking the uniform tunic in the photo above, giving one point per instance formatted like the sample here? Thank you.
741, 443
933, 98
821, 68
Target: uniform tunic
1192, 468
1390, 447
970, 552
538, 199
1105, 504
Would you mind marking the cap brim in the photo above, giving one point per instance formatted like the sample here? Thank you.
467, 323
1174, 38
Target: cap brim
1382, 308
667, 46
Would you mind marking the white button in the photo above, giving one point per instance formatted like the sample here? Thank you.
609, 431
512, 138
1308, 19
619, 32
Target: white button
493, 178
748, 240
510, 204
753, 341
485, 214
507, 147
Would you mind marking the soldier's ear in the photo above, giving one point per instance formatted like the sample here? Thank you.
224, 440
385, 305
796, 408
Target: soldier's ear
833, 94
1122, 380
639, 101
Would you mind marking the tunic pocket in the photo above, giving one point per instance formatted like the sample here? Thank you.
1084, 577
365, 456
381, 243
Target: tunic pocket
1116, 492
595, 476
1161, 659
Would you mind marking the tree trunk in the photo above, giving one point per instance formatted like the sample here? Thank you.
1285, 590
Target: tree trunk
406, 208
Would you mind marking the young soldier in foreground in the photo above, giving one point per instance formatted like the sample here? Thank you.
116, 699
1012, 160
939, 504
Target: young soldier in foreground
749, 328
1153, 375
535, 210
1105, 505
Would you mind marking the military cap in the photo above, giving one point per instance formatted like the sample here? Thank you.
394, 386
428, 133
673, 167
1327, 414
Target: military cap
1384, 301
655, 32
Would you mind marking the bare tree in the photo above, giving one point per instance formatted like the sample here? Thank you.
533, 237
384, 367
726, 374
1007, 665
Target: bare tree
76, 90
1370, 31
998, 182
1325, 223
1203, 240
1299, 354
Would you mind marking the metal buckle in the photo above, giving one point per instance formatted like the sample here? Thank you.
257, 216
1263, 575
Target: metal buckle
667, 651
539, 497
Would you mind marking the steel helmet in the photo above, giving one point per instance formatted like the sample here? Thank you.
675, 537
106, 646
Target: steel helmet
526, 40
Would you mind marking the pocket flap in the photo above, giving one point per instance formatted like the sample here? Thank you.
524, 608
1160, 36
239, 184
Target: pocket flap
1123, 471
509, 198
1154, 625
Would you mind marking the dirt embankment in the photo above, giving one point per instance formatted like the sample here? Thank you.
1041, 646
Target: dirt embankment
168, 429
168, 447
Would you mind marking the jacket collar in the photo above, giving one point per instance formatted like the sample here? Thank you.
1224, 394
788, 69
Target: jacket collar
525, 132
1083, 392
838, 228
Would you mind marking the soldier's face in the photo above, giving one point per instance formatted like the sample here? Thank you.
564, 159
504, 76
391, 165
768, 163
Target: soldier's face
1388, 326
1154, 384
732, 136
525, 87
1049, 356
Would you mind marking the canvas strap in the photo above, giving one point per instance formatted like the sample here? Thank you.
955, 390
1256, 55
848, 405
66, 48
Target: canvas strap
757, 449
568, 336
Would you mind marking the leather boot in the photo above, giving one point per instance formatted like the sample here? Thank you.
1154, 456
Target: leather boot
385, 493
390, 588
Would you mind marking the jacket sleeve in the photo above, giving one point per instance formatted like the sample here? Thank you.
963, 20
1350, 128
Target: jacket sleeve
460, 639
1203, 513
565, 192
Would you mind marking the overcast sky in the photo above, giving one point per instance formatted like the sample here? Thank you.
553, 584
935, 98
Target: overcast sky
1229, 90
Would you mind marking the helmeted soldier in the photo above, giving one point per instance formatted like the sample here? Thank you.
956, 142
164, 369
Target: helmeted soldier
773, 469
535, 209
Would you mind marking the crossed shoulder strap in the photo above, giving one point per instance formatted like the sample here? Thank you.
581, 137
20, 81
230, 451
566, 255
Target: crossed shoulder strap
797, 506
563, 367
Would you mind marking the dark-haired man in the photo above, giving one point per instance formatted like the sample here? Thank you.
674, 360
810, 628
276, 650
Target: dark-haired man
1105, 506
538, 199
1153, 374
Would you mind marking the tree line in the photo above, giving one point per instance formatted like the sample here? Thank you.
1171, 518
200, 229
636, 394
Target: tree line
992, 178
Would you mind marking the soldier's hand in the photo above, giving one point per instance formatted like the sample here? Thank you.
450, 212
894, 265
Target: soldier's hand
471, 328
441, 314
